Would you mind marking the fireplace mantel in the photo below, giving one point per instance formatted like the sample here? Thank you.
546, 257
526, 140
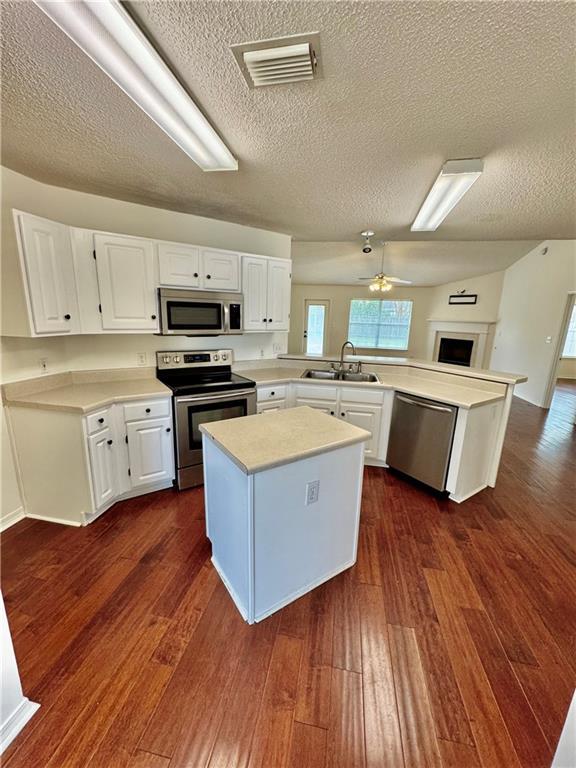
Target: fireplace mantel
479, 331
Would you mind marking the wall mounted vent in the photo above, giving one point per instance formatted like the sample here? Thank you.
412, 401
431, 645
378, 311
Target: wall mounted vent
281, 60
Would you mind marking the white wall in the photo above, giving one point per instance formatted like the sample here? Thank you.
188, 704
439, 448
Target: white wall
488, 289
11, 504
533, 305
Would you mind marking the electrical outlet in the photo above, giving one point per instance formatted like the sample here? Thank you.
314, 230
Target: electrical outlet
312, 491
44, 364
277, 348
261, 353
141, 358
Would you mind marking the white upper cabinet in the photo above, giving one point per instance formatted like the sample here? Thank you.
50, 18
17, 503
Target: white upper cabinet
279, 284
179, 265
255, 289
266, 285
47, 262
220, 270
127, 279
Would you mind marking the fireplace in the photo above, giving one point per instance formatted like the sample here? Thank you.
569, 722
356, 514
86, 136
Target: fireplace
455, 351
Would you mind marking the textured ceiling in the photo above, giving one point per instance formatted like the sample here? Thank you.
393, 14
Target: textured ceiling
406, 86
424, 263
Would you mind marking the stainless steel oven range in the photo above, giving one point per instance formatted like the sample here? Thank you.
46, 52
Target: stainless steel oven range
204, 389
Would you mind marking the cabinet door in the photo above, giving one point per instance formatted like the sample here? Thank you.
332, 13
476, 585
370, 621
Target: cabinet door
279, 284
127, 281
150, 451
326, 406
47, 255
367, 417
179, 265
255, 290
277, 405
220, 270
102, 450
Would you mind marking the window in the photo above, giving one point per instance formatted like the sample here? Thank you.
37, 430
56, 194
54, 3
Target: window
380, 324
570, 343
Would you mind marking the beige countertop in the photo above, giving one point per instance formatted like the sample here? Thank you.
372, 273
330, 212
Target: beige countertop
451, 394
84, 397
408, 362
256, 443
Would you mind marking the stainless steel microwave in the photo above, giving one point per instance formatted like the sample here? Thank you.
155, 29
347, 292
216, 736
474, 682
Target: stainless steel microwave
199, 313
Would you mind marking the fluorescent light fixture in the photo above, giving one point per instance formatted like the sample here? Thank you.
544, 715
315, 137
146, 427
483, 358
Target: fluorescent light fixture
108, 35
454, 180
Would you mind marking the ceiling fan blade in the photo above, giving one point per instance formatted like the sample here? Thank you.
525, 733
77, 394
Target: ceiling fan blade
364, 278
397, 280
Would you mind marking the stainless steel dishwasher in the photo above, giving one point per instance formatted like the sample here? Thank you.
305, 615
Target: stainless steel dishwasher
421, 435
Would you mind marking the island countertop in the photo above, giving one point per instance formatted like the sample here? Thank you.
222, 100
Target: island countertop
256, 443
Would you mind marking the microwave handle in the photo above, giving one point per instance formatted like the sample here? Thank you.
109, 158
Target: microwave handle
226, 308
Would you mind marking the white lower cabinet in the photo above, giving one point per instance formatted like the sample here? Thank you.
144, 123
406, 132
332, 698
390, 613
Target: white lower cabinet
150, 452
131, 451
368, 417
276, 405
103, 462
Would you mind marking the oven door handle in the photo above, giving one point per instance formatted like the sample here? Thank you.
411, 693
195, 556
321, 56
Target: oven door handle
209, 398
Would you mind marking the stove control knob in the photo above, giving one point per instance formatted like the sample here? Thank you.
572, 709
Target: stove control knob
224, 356
166, 358
176, 359
215, 357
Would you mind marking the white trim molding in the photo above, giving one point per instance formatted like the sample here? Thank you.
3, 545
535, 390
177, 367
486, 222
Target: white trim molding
11, 518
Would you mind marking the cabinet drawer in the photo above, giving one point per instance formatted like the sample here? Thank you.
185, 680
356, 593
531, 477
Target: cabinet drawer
361, 395
151, 409
272, 393
99, 420
315, 392
272, 407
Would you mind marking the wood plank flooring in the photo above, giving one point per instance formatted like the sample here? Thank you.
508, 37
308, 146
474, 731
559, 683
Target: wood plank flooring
452, 642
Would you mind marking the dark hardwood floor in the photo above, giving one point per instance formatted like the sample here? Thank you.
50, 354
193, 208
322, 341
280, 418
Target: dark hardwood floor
452, 642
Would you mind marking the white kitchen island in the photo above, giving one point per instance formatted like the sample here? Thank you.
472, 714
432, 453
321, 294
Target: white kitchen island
282, 504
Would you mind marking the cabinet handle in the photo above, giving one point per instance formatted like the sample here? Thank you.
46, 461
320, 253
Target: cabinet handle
272, 393
264, 320
342, 414
269, 319
109, 442
168, 429
66, 317
195, 274
331, 413
153, 317
147, 410
100, 421
208, 277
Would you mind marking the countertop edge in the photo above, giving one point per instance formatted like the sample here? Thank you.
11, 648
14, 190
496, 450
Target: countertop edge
83, 409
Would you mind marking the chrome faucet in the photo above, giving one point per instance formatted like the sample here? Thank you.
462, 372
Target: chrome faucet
357, 365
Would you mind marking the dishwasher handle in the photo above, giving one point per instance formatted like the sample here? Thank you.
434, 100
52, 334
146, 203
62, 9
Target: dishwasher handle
424, 405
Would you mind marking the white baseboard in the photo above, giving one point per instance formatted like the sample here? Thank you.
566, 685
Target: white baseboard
61, 521
231, 591
11, 518
460, 499
17, 720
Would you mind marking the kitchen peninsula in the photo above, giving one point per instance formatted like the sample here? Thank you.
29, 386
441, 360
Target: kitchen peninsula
282, 499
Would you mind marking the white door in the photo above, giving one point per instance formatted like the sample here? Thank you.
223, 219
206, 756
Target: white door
279, 284
220, 270
150, 451
102, 452
315, 325
127, 281
326, 406
49, 268
255, 290
179, 265
366, 417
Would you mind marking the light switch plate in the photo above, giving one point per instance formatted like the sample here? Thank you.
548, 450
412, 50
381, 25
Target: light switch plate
312, 491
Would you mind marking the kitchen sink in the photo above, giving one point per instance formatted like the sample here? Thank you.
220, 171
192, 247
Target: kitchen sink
367, 377
317, 374
312, 373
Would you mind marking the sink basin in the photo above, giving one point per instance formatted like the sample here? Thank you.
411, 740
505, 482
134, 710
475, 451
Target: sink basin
368, 377
316, 374
312, 373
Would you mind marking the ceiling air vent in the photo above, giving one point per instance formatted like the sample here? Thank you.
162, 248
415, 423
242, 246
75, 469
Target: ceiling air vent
281, 60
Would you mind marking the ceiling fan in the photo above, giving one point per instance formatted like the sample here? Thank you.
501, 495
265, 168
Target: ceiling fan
380, 281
